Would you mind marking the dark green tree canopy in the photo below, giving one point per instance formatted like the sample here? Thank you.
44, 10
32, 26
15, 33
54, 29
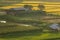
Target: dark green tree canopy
41, 6
28, 7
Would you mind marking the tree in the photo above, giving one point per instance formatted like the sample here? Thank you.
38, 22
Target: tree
41, 11
41, 7
28, 7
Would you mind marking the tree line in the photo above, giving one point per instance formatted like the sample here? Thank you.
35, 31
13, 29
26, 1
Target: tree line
27, 8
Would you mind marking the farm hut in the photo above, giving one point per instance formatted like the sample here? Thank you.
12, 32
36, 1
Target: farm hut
14, 11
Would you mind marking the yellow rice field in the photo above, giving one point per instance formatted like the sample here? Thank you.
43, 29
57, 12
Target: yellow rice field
53, 7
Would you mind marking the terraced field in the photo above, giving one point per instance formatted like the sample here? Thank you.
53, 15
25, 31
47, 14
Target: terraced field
52, 7
29, 27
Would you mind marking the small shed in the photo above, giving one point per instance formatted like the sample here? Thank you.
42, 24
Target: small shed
14, 11
54, 26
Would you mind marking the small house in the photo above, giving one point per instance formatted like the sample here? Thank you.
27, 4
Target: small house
14, 11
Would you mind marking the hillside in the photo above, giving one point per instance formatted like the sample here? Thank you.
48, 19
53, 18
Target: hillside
31, 25
27, 28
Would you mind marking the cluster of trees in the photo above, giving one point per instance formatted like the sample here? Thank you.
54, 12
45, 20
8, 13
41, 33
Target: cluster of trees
40, 11
27, 8
40, 6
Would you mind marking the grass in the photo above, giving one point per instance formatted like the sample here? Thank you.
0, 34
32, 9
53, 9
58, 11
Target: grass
31, 36
14, 29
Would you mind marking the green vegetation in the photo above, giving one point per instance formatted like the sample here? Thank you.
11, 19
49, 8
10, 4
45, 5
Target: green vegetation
31, 25
15, 28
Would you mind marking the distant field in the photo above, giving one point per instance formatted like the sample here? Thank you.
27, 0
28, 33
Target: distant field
53, 7
9, 2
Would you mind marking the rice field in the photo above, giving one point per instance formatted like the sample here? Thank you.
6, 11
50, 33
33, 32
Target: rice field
50, 6
26, 28
29, 27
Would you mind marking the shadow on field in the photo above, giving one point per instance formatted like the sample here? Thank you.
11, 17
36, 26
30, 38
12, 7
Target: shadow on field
53, 39
21, 33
